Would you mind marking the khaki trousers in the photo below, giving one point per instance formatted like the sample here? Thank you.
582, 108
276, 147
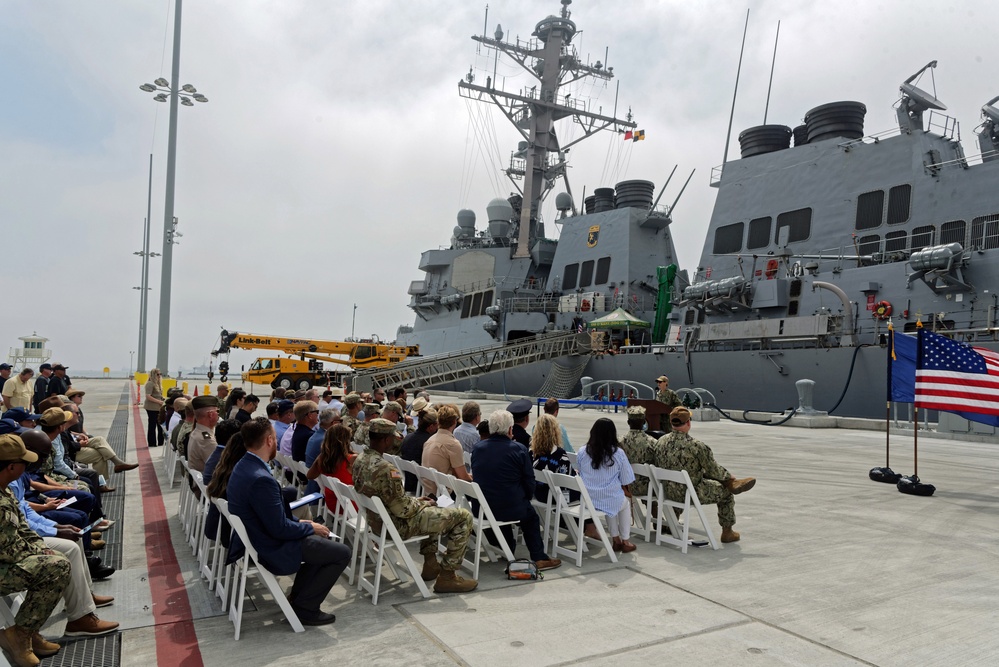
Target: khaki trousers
96, 454
78, 594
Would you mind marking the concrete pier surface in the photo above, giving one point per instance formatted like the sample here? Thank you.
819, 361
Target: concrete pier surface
832, 569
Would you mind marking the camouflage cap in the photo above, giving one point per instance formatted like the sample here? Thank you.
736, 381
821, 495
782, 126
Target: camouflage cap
351, 399
636, 411
662, 378
381, 427
679, 416
392, 406
372, 409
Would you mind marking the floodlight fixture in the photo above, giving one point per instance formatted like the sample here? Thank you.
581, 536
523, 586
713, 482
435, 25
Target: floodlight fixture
188, 88
148, 87
186, 101
160, 98
162, 82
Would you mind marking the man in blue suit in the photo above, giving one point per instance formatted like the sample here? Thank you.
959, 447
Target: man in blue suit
285, 546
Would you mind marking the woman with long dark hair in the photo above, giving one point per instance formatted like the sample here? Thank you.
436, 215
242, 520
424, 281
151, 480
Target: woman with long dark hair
606, 473
234, 451
334, 460
154, 401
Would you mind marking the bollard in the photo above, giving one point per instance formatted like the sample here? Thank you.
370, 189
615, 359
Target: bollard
806, 389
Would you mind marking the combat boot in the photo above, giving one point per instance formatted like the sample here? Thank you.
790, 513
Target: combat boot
729, 535
431, 568
737, 486
450, 582
42, 647
17, 641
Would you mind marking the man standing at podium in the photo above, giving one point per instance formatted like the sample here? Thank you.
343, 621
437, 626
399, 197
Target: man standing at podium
669, 397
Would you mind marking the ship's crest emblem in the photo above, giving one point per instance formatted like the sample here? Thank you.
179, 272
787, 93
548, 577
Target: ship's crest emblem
591, 238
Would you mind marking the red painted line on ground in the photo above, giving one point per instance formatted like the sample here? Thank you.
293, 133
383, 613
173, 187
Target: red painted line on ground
176, 639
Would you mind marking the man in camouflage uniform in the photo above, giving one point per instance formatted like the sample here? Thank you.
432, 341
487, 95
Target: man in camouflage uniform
637, 444
26, 564
352, 406
374, 476
714, 484
371, 412
393, 412
669, 397
221, 394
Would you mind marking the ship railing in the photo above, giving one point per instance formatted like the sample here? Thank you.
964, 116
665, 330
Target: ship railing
947, 126
716, 175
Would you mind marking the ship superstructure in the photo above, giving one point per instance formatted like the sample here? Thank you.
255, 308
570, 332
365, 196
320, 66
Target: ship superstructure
821, 236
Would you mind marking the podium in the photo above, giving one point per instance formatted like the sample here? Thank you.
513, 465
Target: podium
654, 412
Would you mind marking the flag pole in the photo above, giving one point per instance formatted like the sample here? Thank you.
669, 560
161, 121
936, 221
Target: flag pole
915, 440
891, 355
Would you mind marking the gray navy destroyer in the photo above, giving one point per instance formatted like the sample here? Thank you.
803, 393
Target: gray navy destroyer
821, 236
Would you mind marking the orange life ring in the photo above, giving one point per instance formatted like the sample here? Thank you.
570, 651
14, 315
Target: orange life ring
882, 310
585, 306
772, 266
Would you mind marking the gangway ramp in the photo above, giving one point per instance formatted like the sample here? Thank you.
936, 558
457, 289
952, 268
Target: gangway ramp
474, 362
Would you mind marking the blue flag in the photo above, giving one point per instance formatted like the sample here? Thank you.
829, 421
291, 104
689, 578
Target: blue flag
902, 368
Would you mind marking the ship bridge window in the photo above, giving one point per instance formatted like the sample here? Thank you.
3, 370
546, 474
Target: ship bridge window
729, 238
868, 245
953, 232
895, 241
586, 274
476, 304
466, 306
569, 282
603, 271
870, 209
798, 223
985, 232
759, 233
922, 237
898, 204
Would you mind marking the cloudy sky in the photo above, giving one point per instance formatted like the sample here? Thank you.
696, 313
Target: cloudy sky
335, 147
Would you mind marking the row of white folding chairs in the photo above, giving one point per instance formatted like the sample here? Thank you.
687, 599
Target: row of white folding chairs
690, 506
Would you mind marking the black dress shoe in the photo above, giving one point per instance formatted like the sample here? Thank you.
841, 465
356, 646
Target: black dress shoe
315, 617
98, 572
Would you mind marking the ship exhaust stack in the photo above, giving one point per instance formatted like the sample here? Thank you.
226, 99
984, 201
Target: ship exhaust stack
836, 120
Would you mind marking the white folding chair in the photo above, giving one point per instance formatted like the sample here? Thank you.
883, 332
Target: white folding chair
9, 605
225, 577
348, 523
575, 515
680, 531
381, 541
412, 468
185, 499
546, 509
250, 564
199, 512
357, 447
170, 457
212, 555
425, 474
642, 505
483, 519
572, 459
467, 456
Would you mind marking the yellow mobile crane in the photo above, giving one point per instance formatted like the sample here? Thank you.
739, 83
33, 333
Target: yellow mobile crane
307, 370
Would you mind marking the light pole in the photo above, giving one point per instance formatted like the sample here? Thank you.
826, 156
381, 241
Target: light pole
161, 86
131, 353
145, 254
352, 320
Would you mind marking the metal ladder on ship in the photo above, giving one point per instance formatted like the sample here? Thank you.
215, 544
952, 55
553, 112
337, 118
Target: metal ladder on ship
474, 362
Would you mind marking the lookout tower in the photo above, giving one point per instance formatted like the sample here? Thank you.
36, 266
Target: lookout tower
32, 352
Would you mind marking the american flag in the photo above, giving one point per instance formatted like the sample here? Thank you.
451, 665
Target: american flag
959, 378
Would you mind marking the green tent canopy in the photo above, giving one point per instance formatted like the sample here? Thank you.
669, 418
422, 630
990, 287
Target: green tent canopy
618, 319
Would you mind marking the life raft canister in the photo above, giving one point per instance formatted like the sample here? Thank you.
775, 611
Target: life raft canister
882, 310
772, 266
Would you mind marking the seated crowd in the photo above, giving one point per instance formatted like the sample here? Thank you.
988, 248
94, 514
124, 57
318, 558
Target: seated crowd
52, 522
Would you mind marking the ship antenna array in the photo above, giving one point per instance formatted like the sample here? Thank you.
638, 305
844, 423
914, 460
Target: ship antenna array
773, 63
735, 93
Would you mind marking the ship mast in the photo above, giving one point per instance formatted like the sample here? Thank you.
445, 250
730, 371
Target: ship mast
534, 111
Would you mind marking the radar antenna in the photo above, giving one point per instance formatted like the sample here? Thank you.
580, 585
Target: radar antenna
915, 101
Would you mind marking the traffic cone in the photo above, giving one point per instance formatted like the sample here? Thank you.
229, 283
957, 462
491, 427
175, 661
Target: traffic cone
195, 390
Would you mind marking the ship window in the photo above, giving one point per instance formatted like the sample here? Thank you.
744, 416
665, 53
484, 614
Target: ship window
868, 245
476, 304
759, 233
487, 300
953, 232
571, 271
895, 241
985, 232
586, 274
603, 271
466, 306
729, 238
922, 237
898, 204
688, 316
799, 224
870, 208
